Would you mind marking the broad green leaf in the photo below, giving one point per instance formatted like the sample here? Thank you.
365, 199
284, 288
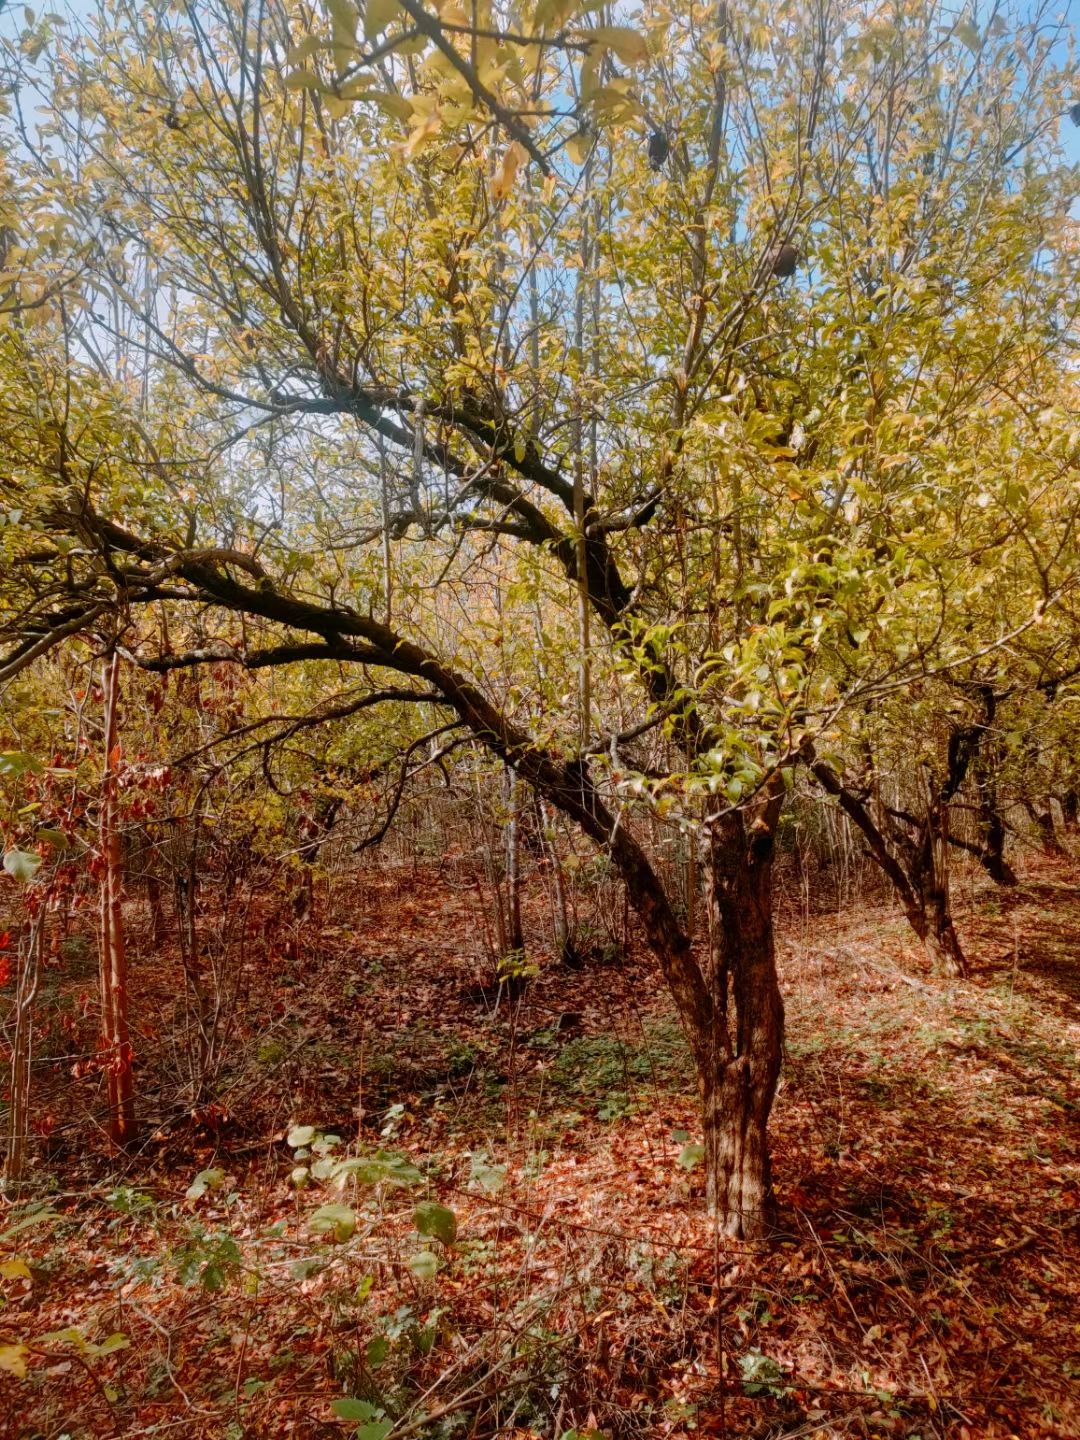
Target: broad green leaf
22, 865
374, 1430
377, 1351
18, 762
300, 1135
304, 51
350, 1409
205, 1180
424, 1264
485, 1174
396, 106
691, 1155
337, 1221
385, 1167
432, 1219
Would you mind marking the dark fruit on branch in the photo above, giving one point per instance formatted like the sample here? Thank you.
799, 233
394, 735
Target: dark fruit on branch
659, 150
1074, 114
784, 260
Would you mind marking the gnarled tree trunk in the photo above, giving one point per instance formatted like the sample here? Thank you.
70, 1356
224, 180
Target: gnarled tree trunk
915, 867
931, 877
739, 1085
1043, 816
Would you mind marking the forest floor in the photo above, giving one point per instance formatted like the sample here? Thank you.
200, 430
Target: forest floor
926, 1164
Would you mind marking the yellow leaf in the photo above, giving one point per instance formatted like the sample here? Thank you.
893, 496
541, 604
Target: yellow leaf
13, 1360
629, 45
967, 32
551, 12
378, 15
506, 174
344, 15
396, 106
304, 51
578, 146
426, 130
612, 101
16, 1269
303, 80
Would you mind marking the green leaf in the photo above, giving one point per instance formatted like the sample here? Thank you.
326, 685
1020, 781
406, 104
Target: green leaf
423, 1264
374, 1430
761, 1374
337, 1221
691, 1155
300, 1135
382, 1168
486, 1175
205, 1181
22, 865
373, 1422
432, 1219
377, 1351
349, 1409
56, 838
18, 762
39, 1216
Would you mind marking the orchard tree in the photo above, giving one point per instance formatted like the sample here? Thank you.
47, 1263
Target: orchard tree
588, 382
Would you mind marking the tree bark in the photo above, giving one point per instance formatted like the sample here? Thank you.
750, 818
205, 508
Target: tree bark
932, 877
739, 1085
1043, 817
1070, 810
516, 934
25, 994
117, 1046
986, 763
916, 868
